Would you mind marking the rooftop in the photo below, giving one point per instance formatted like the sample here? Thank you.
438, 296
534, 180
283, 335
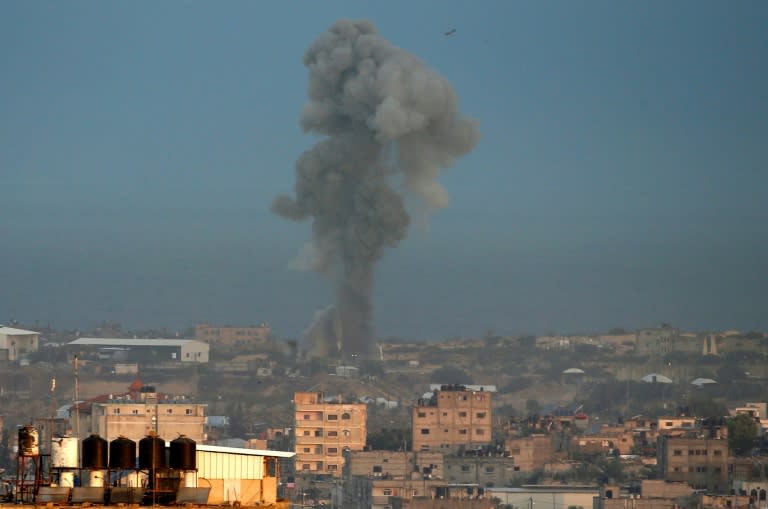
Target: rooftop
131, 342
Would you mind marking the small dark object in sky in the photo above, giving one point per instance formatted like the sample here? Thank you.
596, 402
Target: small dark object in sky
450, 32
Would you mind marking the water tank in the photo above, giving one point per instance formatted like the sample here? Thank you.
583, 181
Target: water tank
95, 453
64, 452
151, 453
29, 443
183, 454
122, 454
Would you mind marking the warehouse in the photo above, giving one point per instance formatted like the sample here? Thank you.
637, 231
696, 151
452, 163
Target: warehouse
140, 350
234, 475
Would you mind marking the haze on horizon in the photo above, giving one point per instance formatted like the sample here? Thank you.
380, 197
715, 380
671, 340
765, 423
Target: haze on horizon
619, 181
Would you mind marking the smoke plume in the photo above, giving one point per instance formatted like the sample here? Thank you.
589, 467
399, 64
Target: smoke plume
389, 124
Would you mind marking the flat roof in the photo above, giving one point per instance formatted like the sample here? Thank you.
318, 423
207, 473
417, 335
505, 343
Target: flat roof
10, 331
132, 342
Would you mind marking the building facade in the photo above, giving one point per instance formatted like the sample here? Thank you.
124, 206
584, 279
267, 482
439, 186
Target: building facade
700, 462
143, 351
140, 412
324, 430
233, 336
453, 417
15, 343
658, 341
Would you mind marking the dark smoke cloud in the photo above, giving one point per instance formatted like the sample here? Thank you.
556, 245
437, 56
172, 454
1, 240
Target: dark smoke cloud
387, 120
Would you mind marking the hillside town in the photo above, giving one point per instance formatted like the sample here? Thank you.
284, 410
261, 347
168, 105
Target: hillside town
652, 418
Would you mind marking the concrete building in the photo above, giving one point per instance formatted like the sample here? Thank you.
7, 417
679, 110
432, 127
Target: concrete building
15, 343
141, 350
140, 411
480, 469
530, 453
393, 464
233, 336
324, 430
654, 494
452, 417
701, 462
657, 341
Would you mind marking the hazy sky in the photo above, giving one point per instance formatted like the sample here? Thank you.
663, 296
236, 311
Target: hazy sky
620, 180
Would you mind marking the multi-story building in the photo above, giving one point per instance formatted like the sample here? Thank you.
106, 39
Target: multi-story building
660, 341
530, 453
324, 430
16, 342
701, 462
453, 417
141, 411
232, 336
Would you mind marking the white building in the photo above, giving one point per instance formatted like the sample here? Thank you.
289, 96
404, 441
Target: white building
17, 342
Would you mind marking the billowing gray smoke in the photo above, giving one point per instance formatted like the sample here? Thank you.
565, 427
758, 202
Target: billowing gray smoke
390, 122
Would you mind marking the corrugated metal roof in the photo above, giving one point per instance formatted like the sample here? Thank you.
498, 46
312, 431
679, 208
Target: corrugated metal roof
10, 331
247, 452
131, 342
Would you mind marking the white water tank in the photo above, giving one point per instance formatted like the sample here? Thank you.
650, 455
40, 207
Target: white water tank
64, 452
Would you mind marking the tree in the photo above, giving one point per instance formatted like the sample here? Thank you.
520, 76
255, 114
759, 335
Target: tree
742, 432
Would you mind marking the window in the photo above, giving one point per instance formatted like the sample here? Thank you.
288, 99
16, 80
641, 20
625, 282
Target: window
677, 452
306, 432
462, 432
135, 412
465, 468
462, 414
387, 491
345, 416
421, 414
445, 414
333, 450
489, 470
305, 466
517, 468
333, 467
333, 417
306, 449
668, 423
425, 431
480, 432
718, 453
333, 433
169, 411
481, 415
377, 469
188, 411
116, 411
306, 417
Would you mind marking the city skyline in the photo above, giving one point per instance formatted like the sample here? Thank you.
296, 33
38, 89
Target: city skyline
618, 180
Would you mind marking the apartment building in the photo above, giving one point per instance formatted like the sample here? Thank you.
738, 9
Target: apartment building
324, 430
233, 336
453, 417
530, 453
702, 462
657, 341
142, 410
